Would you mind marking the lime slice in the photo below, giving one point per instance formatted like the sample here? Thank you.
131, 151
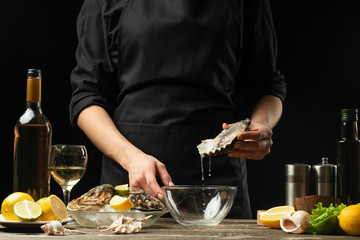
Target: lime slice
121, 203
27, 210
122, 190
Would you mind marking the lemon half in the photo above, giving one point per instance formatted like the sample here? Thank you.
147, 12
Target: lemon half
53, 209
271, 217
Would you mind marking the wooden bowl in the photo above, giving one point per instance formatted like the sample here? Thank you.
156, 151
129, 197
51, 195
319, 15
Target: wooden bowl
307, 203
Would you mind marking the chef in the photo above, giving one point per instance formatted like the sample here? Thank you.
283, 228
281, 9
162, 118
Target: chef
153, 78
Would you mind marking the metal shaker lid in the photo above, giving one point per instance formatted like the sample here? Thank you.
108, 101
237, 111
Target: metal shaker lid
324, 164
324, 169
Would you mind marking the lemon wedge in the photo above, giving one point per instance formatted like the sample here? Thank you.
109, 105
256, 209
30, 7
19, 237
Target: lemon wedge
121, 203
27, 210
271, 217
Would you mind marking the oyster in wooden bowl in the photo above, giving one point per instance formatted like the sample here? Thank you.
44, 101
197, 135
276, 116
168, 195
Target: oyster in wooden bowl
92, 209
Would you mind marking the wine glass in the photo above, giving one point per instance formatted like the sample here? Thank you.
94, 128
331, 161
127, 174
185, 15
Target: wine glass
67, 164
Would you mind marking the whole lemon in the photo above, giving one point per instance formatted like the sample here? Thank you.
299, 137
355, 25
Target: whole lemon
7, 206
349, 219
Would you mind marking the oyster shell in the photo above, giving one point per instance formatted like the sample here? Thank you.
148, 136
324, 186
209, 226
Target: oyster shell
296, 222
143, 201
125, 225
56, 228
94, 200
224, 141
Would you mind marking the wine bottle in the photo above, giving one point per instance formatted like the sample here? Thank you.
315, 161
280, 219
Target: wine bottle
348, 158
32, 143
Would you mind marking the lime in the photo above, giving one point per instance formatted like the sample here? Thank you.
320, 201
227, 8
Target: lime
41, 200
328, 226
121, 203
122, 190
27, 210
7, 206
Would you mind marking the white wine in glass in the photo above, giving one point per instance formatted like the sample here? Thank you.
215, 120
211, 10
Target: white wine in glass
67, 165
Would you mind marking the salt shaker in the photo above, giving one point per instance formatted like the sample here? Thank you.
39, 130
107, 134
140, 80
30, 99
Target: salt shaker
297, 182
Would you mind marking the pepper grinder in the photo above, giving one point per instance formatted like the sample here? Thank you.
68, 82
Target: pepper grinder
325, 178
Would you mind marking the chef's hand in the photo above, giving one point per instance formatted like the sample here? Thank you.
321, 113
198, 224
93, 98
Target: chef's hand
143, 170
254, 144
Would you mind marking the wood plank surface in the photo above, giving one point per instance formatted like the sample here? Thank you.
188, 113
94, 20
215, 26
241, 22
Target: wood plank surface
167, 228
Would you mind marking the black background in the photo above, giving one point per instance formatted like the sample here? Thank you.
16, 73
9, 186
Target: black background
319, 54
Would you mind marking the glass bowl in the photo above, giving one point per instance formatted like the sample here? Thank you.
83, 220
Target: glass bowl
202, 205
97, 219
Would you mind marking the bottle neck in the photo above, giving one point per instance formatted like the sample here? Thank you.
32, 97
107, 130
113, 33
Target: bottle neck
35, 106
349, 130
33, 90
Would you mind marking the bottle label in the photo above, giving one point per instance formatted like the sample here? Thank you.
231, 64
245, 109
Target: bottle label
33, 92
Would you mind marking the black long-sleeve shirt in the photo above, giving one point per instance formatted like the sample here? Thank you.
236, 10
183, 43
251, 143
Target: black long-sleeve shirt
175, 62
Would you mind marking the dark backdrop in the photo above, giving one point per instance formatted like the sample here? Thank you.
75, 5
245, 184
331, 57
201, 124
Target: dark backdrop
319, 53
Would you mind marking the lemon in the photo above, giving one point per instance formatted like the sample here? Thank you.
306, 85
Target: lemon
53, 209
349, 220
122, 190
7, 206
27, 210
271, 217
121, 203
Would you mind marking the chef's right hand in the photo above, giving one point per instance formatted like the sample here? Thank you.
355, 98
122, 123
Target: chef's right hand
143, 170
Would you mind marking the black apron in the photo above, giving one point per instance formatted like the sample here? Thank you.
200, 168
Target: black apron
175, 146
166, 107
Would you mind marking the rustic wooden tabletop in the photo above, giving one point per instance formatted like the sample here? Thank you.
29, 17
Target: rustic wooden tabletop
167, 228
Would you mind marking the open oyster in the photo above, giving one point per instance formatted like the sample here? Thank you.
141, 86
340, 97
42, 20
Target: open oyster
94, 200
224, 141
97, 197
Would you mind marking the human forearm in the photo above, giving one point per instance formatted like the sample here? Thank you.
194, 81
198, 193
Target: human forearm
267, 111
142, 168
97, 125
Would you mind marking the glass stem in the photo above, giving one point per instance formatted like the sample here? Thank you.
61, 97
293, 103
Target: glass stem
66, 196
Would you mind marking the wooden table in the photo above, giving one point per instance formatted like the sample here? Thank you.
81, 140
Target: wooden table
167, 228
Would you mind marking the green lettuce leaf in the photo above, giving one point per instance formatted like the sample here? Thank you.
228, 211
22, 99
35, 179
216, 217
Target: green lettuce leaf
324, 219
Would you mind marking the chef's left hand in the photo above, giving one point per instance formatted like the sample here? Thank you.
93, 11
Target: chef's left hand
254, 144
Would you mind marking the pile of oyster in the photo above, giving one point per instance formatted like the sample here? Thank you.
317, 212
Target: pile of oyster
98, 197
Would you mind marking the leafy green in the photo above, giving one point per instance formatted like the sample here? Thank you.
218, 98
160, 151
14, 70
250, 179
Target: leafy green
322, 213
324, 219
